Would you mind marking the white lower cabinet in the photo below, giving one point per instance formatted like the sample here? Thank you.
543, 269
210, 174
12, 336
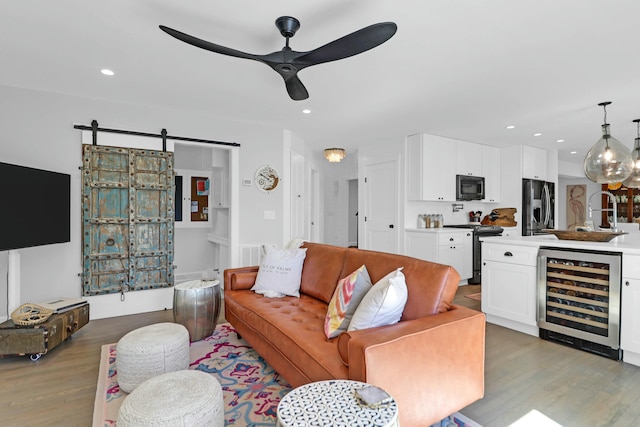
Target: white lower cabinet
454, 248
509, 280
629, 315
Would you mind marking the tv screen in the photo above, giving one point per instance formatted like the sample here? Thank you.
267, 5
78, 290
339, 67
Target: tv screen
35, 207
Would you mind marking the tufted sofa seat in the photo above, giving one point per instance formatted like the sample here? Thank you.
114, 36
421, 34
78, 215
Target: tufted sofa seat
432, 361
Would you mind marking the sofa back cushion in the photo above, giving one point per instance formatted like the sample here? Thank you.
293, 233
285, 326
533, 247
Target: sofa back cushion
430, 286
322, 270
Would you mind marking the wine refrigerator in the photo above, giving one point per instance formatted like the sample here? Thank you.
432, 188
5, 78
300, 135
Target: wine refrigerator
579, 299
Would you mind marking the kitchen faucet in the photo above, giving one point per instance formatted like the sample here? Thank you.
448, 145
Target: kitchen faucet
614, 224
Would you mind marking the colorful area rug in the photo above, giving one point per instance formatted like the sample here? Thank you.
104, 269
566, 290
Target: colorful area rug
251, 388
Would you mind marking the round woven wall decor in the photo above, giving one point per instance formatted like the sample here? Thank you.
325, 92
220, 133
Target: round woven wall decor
30, 314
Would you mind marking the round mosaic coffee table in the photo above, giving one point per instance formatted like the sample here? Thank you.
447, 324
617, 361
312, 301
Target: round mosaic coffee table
333, 403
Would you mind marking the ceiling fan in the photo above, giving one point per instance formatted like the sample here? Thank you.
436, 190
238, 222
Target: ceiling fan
288, 62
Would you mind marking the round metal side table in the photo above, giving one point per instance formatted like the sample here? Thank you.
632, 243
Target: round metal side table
197, 305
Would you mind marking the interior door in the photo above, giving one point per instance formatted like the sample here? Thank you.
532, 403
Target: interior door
127, 219
298, 215
381, 205
314, 207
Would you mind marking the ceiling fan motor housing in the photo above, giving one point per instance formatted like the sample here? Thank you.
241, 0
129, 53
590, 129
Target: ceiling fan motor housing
288, 25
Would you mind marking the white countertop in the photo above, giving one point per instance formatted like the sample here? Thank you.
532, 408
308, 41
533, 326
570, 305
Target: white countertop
439, 230
627, 243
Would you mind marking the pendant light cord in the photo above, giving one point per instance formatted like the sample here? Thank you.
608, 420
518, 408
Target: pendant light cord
605, 125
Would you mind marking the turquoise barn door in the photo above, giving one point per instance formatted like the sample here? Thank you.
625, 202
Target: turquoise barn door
127, 219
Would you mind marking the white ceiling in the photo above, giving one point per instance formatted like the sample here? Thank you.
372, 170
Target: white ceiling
458, 68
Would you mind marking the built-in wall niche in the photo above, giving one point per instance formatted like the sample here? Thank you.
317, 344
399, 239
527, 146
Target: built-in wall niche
202, 202
220, 193
192, 198
193, 185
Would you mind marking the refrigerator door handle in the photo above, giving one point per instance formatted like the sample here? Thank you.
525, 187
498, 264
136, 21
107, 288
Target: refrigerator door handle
548, 194
549, 207
530, 210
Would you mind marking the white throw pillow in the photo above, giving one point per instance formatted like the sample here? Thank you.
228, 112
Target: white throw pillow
280, 272
383, 304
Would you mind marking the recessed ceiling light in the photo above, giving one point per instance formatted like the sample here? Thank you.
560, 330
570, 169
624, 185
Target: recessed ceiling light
306, 111
107, 72
537, 134
559, 140
510, 127
573, 152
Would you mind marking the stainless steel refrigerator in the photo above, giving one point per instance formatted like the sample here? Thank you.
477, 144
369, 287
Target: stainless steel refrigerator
537, 206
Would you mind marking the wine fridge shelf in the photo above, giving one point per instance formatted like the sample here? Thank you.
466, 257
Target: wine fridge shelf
578, 293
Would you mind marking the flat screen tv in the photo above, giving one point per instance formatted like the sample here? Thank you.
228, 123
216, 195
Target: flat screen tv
35, 207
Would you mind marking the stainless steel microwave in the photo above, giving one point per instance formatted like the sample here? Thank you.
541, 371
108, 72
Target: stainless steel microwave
469, 187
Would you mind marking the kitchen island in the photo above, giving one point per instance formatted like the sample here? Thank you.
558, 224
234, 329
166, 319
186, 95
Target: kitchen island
511, 290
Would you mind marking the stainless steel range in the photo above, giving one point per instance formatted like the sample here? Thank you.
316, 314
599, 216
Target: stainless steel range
479, 231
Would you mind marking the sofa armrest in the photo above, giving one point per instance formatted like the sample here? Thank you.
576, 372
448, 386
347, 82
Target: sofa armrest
240, 278
437, 359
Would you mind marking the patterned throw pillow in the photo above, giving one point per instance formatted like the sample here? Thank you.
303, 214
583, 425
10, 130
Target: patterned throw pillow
383, 304
345, 300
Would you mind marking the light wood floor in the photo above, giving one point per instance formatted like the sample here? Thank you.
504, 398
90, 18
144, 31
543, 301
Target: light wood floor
573, 388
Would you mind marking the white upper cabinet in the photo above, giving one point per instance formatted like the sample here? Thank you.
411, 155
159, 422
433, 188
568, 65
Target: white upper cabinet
434, 161
534, 163
469, 158
431, 173
491, 173
219, 188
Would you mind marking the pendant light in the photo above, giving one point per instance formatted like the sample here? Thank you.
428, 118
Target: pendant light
634, 179
609, 160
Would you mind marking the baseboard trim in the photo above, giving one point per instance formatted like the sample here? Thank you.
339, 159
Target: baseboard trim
111, 305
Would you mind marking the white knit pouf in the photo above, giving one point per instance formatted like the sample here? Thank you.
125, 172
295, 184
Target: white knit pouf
149, 351
182, 398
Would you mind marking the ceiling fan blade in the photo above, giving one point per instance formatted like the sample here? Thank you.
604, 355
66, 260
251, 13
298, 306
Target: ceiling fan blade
295, 88
350, 45
203, 44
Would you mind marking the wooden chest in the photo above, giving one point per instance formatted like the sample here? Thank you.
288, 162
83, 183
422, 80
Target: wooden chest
38, 339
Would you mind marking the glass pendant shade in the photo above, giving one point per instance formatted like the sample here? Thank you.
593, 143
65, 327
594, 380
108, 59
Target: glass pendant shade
633, 181
608, 161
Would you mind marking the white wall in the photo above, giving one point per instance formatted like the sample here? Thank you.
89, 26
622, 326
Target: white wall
312, 161
336, 198
37, 131
352, 212
592, 188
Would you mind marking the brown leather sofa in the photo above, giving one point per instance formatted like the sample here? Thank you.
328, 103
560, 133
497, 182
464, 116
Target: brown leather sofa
431, 362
